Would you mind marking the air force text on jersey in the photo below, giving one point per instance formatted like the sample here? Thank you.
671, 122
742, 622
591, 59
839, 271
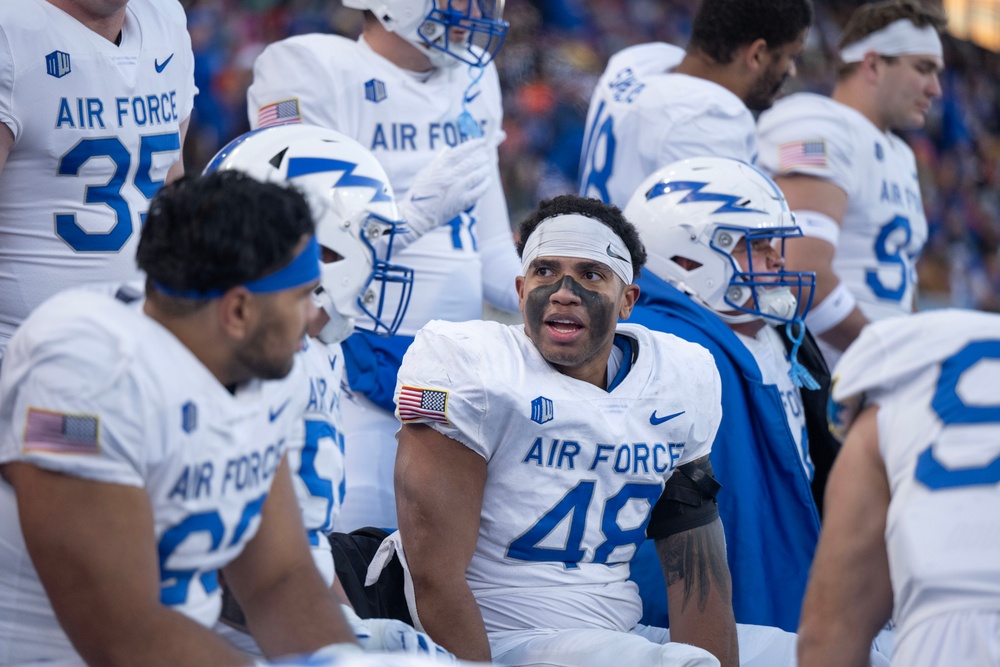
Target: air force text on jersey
407, 136
88, 113
624, 459
246, 471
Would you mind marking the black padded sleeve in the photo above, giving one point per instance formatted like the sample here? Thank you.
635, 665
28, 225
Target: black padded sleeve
688, 501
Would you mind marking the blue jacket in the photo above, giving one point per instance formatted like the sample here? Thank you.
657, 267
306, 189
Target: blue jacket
766, 502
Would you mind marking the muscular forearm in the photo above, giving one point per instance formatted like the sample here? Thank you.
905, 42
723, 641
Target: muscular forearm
299, 614
699, 591
450, 615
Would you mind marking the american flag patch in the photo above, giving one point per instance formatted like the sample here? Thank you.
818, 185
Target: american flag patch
802, 154
59, 433
279, 113
416, 403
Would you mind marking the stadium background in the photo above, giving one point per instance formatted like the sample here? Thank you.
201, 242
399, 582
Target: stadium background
556, 50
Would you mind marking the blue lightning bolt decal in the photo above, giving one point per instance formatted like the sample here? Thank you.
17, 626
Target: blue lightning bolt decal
303, 166
695, 194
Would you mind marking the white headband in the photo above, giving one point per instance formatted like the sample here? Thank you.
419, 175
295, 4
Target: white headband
899, 38
575, 235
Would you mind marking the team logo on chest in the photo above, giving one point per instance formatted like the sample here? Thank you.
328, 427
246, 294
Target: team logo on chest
375, 91
541, 410
189, 417
57, 64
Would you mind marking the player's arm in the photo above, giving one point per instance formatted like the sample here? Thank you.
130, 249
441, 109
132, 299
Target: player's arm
849, 597
177, 168
496, 247
94, 548
6, 143
288, 607
819, 206
691, 545
439, 496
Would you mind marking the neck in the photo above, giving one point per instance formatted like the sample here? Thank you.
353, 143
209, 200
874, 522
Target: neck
196, 331
106, 24
394, 48
751, 328
855, 93
700, 65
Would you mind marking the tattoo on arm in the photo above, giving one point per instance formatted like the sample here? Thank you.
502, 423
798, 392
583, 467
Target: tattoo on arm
698, 557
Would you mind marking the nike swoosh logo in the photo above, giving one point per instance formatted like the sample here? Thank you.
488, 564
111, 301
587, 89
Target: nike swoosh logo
469, 98
612, 253
159, 67
424, 198
274, 414
656, 421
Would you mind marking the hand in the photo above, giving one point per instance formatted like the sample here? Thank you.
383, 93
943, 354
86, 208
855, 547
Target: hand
388, 634
453, 182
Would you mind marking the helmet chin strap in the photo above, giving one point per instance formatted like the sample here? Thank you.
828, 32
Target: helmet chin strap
337, 329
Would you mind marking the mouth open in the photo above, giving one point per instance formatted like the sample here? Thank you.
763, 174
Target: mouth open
563, 328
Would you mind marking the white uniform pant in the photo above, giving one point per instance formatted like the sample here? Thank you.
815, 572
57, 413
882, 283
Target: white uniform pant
760, 646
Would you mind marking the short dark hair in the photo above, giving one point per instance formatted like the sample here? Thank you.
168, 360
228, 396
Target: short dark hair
591, 208
721, 27
874, 16
208, 233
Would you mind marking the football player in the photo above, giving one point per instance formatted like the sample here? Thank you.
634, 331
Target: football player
95, 98
853, 183
912, 524
656, 103
419, 90
715, 230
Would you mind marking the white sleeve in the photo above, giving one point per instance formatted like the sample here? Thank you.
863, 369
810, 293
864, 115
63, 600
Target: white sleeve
438, 385
288, 70
707, 385
74, 409
500, 262
809, 140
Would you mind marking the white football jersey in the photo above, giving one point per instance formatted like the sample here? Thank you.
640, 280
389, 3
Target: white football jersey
405, 121
768, 348
573, 470
316, 452
97, 390
936, 379
95, 130
643, 117
884, 227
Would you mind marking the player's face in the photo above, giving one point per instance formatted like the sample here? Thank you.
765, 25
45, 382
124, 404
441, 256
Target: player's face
570, 309
269, 349
780, 68
908, 86
764, 256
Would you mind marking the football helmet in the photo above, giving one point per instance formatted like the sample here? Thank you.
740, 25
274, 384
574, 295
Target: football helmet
701, 210
448, 31
356, 220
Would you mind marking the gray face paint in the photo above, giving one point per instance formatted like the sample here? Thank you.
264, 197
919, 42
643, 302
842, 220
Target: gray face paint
600, 313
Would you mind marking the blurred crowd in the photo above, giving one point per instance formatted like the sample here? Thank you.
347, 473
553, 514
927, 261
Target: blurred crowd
556, 50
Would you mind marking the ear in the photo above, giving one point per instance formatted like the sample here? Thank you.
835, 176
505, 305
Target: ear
629, 298
756, 55
871, 67
238, 313
519, 286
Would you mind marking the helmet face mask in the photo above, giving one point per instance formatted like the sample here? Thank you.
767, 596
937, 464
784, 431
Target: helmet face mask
695, 214
450, 32
356, 220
